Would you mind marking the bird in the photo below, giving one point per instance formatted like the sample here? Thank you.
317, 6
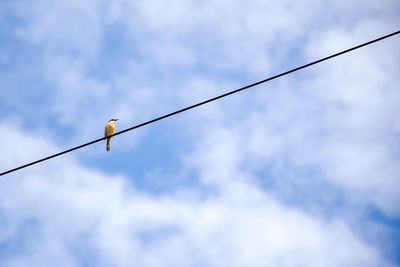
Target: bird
109, 130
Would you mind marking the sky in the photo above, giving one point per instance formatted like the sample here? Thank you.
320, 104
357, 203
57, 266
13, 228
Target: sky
300, 171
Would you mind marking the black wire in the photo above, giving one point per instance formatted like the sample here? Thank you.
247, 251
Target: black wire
204, 102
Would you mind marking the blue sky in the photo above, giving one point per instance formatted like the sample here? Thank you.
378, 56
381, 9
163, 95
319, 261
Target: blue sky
301, 171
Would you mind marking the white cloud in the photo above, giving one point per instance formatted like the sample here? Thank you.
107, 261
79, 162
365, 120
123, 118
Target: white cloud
335, 120
60, 208
172, 43
21, 148
359, 98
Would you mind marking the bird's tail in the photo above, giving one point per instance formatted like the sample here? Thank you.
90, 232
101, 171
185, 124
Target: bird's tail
108, 144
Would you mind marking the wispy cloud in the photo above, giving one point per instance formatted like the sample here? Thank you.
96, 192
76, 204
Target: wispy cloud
73, 212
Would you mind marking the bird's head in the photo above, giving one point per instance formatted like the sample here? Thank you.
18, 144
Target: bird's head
113, 120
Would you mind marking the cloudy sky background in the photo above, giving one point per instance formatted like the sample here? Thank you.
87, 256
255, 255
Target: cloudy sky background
301, 171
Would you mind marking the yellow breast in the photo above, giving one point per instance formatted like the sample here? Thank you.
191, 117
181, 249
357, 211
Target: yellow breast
109, 130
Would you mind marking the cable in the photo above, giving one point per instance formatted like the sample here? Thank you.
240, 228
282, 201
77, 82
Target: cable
204, 102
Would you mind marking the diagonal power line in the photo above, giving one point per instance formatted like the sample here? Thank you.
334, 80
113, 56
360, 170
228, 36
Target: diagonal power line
204, 102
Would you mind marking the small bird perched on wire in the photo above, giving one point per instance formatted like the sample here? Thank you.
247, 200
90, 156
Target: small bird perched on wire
109, 130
